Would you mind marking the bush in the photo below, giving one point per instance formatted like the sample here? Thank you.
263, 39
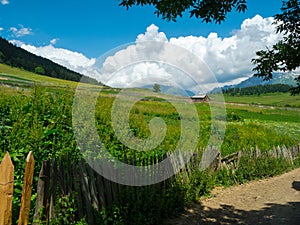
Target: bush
147, 205
39, 70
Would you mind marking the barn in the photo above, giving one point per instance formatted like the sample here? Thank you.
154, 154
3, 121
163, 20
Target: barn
200, 98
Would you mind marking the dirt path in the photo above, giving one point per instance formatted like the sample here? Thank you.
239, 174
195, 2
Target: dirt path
271, 201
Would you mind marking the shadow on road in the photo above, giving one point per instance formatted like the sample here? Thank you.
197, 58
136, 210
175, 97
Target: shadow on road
271, 214
296, 185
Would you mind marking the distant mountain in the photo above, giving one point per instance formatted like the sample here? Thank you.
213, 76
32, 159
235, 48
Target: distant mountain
172, 90
278, 78
17, 57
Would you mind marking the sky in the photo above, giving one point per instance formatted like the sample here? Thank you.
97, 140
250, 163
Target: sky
76, 33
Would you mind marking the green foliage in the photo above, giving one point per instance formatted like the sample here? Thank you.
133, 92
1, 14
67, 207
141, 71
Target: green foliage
39, 70
246, 135
233, 117
207, 10
199, 183
296, 90
156, 88
285, 54
147, 205
40, 122
257, 90
65, 212
262, 167
1, 57
251, 168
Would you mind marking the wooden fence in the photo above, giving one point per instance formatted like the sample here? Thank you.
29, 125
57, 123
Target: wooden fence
232, 161
65, 177
6, 190
93, 192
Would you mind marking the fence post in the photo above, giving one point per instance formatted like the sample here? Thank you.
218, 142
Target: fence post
26, 191
42, 192
6, 190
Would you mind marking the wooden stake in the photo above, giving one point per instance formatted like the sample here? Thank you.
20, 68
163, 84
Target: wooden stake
6, 190
26, 192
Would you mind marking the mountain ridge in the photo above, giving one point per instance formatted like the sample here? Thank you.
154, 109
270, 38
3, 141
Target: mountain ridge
278, 78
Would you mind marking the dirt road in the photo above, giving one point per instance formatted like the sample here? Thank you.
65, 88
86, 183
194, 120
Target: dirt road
271, 201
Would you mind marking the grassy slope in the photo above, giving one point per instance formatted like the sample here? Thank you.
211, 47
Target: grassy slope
19, 77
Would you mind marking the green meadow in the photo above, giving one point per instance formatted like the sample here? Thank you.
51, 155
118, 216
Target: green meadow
265, 121
270, 99
38, 118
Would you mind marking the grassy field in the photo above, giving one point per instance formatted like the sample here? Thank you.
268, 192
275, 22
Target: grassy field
36, 119
249, 123
270, 99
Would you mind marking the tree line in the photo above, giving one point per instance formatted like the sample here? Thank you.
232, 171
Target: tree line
258, 89
17, 57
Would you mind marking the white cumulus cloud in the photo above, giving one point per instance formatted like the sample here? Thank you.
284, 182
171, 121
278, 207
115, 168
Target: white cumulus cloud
152, 34
21, 31
230, 58
204, 58
70, 59
153, 60
4, 2
191, 62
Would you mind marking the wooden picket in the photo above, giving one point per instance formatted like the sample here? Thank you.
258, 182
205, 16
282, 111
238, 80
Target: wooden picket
7, 186
6, 190
26, 192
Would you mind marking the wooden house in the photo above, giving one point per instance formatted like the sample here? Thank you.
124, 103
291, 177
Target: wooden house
200, 98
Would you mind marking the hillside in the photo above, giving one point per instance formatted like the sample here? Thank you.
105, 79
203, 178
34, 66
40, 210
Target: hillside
278, 78
13, 76
17, 57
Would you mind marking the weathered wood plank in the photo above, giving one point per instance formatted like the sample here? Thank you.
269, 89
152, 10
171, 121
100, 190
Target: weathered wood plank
100, 189
76, 180
108, 190
42, 192
86, 193
62, 175
70, 176
6, 190
52, 191
26, 191
93, 189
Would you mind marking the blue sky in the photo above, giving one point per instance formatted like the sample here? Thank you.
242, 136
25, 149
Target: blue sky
76, 33
93, 27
